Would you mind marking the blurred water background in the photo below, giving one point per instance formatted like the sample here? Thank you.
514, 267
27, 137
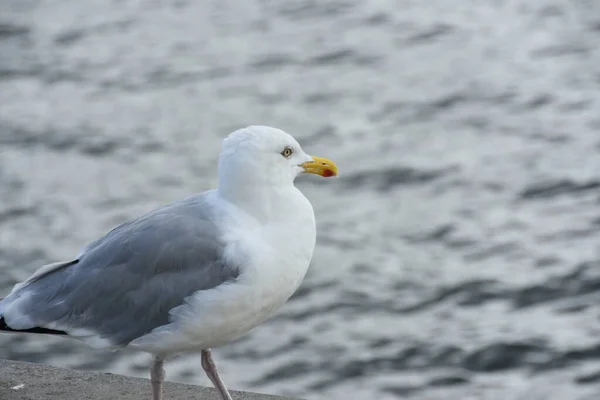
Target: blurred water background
458, 255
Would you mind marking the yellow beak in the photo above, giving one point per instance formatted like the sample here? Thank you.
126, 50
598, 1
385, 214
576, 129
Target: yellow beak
321, 166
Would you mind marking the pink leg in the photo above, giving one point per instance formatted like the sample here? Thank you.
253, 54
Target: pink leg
157, 377
210, 368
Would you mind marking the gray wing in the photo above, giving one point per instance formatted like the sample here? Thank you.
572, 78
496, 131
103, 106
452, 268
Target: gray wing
123, 285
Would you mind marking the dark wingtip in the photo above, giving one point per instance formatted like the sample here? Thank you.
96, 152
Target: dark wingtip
4, 327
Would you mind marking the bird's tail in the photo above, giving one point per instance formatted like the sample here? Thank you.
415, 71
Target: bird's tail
5, 328
40, 273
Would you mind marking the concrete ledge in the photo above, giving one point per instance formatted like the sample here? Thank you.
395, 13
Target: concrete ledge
26, 381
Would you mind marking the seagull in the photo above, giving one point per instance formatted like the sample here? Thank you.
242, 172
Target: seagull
192, 275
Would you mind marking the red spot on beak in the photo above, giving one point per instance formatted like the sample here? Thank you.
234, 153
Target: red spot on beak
328, 173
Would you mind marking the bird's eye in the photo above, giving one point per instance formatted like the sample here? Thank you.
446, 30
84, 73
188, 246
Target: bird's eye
287, 152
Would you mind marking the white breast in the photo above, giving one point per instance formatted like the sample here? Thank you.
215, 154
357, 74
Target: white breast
275, 258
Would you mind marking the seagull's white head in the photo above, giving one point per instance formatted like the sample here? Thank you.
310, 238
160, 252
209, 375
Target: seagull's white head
261, 155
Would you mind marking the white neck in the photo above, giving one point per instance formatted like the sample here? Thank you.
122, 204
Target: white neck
264, 202
265, 194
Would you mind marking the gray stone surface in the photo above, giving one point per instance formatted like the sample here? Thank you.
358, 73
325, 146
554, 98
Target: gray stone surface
27, 381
